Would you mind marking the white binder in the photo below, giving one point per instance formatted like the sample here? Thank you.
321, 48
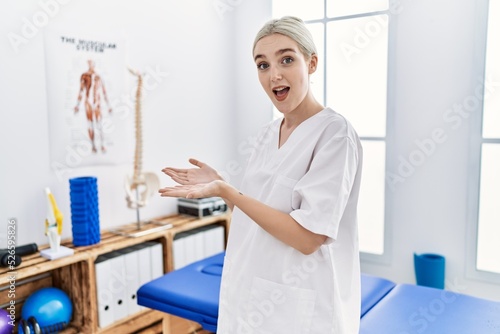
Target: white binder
179, 251
143, 266
104, 294
198, 245
156, 251
214, 240
131, 260
118, 285
189, 247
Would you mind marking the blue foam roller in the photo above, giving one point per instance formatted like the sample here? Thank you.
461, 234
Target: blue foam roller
84, 211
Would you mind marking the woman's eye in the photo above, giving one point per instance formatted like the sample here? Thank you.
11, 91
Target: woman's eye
262, 66
287, 60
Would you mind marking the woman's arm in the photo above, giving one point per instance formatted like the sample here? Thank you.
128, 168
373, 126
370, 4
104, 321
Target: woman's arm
277, 223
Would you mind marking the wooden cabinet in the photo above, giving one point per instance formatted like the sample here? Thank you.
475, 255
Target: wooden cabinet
76, 276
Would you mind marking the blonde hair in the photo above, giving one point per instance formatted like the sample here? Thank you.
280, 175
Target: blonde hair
292, 27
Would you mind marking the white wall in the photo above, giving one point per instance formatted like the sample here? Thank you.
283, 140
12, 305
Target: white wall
253, 107
189, 114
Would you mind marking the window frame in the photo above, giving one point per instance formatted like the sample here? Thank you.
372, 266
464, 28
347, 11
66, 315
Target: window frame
386, 256
475, 154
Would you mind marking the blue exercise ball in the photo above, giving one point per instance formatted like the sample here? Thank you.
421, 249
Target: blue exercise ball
50, 307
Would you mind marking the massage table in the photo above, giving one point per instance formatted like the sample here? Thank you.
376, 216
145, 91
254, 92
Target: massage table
192, 292
412, 309
373, 289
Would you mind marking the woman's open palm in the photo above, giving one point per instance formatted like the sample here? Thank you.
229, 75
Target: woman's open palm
201, 174
201, 190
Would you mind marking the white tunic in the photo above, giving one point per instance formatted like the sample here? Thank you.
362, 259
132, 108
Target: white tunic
269, 287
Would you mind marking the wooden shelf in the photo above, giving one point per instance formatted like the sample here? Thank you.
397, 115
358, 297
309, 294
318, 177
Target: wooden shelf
76, 275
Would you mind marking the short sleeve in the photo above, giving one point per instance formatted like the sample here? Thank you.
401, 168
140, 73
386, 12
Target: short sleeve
320, 197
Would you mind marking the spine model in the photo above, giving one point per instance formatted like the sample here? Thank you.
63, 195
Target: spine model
142, 185
138, 131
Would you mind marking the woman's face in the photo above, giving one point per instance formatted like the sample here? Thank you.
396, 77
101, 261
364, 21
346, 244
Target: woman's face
283, 71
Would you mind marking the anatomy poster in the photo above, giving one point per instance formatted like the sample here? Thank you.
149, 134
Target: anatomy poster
90, 114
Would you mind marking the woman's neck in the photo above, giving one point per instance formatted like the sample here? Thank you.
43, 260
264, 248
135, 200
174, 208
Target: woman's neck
306, 109
309, 107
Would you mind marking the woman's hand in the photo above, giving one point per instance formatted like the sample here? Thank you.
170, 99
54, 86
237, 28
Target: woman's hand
203, 190
193, 176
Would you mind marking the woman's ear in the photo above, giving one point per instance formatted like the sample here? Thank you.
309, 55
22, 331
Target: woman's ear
313, 63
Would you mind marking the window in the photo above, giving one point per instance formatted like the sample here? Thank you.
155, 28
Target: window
352, 40
488, 213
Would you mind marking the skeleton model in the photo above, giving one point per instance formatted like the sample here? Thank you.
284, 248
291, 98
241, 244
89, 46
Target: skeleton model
141, 185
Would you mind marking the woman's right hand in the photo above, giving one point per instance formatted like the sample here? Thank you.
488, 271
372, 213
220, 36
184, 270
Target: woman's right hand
202, 173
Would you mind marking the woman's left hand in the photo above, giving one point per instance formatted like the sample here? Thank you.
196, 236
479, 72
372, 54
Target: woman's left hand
211, 189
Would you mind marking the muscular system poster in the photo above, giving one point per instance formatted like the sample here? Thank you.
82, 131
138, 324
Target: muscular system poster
90, 120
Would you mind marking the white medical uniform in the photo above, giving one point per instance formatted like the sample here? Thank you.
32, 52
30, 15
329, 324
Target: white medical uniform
268, 287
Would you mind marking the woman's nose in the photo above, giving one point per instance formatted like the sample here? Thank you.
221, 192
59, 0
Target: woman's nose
275, 74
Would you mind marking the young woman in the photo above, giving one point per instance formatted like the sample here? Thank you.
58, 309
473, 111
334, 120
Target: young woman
292, 263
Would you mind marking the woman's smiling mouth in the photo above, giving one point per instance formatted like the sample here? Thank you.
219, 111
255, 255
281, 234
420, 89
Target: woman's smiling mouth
281, 92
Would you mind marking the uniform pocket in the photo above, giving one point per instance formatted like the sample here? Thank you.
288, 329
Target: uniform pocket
281, 193
285, 181
276, 308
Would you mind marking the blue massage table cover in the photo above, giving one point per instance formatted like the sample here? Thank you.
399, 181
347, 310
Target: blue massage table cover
373, 289
191, 292
409, 309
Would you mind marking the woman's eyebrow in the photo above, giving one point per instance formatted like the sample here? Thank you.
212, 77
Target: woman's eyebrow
279, 52
258, 56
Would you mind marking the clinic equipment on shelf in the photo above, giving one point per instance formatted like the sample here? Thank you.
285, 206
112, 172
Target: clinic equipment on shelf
141, 185
53, 230
46, 311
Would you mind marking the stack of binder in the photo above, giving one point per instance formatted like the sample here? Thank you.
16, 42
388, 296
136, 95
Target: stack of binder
197, 244
119, 275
